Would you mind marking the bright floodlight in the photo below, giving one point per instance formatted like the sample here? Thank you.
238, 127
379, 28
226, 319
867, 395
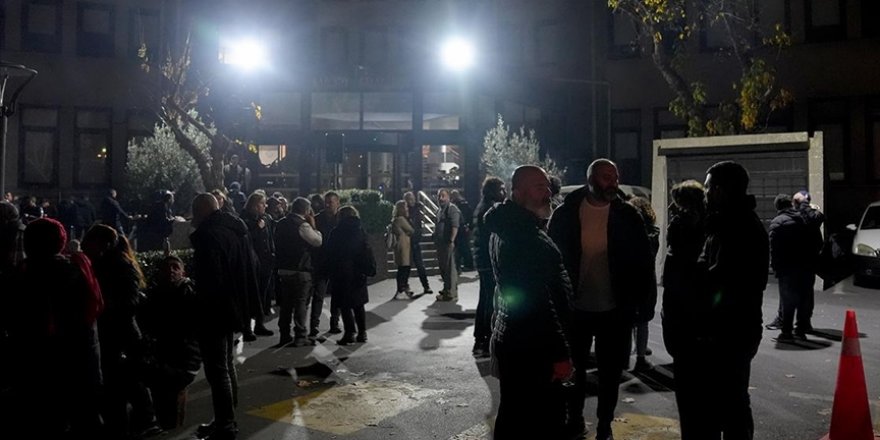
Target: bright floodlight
457, 54
246, 54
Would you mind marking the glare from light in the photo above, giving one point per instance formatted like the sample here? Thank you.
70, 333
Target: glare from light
247, 54
457, 54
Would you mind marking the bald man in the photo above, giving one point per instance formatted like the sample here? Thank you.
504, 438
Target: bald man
529, 347
225, 277
607, 253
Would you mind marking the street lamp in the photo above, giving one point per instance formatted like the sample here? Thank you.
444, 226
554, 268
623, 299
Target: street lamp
457, 54
7, 108
247, 54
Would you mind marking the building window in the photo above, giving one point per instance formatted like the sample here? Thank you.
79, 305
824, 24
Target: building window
870, 16
93, 145
374, 48
95, 29
667, 125
143, 31
549, 43
772, 13
874, 140
388, 111
831, 117
623, 37
510, 44
336, 111
826, 20
441, 111
41, 26
281, 109
38, 149
626, 140
334, 47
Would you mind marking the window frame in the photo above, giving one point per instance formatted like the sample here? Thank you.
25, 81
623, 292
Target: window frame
94, 44
622, 51
32, 42
133, 45
77, 146
846, 129
819, 34
346, 50
23, 129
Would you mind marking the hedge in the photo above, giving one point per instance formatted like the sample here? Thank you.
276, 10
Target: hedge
374, 210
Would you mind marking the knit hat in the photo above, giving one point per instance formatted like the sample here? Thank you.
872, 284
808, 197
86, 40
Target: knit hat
44, 237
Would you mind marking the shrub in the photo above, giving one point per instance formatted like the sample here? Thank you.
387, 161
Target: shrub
375, 211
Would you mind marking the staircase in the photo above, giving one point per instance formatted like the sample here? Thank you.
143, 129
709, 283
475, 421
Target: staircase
429, 250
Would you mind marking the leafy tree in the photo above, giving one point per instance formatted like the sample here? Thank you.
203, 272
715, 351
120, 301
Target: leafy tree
504, 150
159, 163
666, 28
177, 89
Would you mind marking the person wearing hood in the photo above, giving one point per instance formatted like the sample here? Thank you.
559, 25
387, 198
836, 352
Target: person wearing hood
733, 267
607, 253
529, 346
225, 277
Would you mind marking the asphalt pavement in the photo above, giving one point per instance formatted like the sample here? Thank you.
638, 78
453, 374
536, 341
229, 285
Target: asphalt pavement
415, 378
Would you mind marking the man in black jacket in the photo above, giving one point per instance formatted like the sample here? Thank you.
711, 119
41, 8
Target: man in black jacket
607, 254
225, 277
529, 347
734, 267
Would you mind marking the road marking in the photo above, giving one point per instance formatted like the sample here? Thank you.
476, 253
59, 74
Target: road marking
345, 409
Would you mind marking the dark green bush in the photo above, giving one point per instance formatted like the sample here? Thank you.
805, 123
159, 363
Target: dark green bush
375, 212
150, 260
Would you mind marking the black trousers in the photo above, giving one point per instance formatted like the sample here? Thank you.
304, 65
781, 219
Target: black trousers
417, 262
403, 278
796, 299
531, 405
612, 331
354, 320
319, 291
217, 359
485, 307
712, 393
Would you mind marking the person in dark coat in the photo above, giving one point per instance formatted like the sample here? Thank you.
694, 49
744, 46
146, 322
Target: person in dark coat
122, 348
112, 213
685, 236
608, 256
158, 225
464, 257
325, 222
734, 265
813, 218
51, 304
261, 230
530, 351
11, 238
166, 318
794, 252
416, 218
349, 262
493, 192
224, 277
640, 331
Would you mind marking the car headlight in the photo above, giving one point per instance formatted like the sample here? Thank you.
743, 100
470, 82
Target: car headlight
865, 250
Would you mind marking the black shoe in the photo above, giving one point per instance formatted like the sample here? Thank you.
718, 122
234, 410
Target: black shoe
427, 291
806, 328
300, 341
263, 331
800, 335
643, 365
249, 336
775, 325
286, 339
361, 337
576, 430
335, 330
346, 340
648, 352
205, 430
151, 431
225, 434
785, 337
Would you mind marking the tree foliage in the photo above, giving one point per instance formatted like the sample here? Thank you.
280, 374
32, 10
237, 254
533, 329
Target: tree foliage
177, 89
158, 163
504, 150
666, 29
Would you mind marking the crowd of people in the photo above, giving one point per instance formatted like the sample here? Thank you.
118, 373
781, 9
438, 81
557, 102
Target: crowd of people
566, 284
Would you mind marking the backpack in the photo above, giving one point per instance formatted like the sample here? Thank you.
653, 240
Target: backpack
390, 237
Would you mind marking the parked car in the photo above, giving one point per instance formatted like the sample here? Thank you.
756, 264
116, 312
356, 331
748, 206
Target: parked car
866, 246
629, 190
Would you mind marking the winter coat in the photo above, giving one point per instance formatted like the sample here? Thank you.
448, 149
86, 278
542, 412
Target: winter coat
633, 280
166, 318
481, 238
735, 260
685, 236
112, 213
795, 241
262, 239
119, 331
403, 230
292, 252
533, 290
349, 262
223, 271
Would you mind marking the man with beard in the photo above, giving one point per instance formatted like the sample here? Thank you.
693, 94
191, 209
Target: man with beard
445, 233
608, 256
530, 353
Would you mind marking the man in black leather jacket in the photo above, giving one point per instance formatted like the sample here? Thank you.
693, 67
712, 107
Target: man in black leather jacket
529, 347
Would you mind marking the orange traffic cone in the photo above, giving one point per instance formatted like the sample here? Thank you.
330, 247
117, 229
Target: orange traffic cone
850, 416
